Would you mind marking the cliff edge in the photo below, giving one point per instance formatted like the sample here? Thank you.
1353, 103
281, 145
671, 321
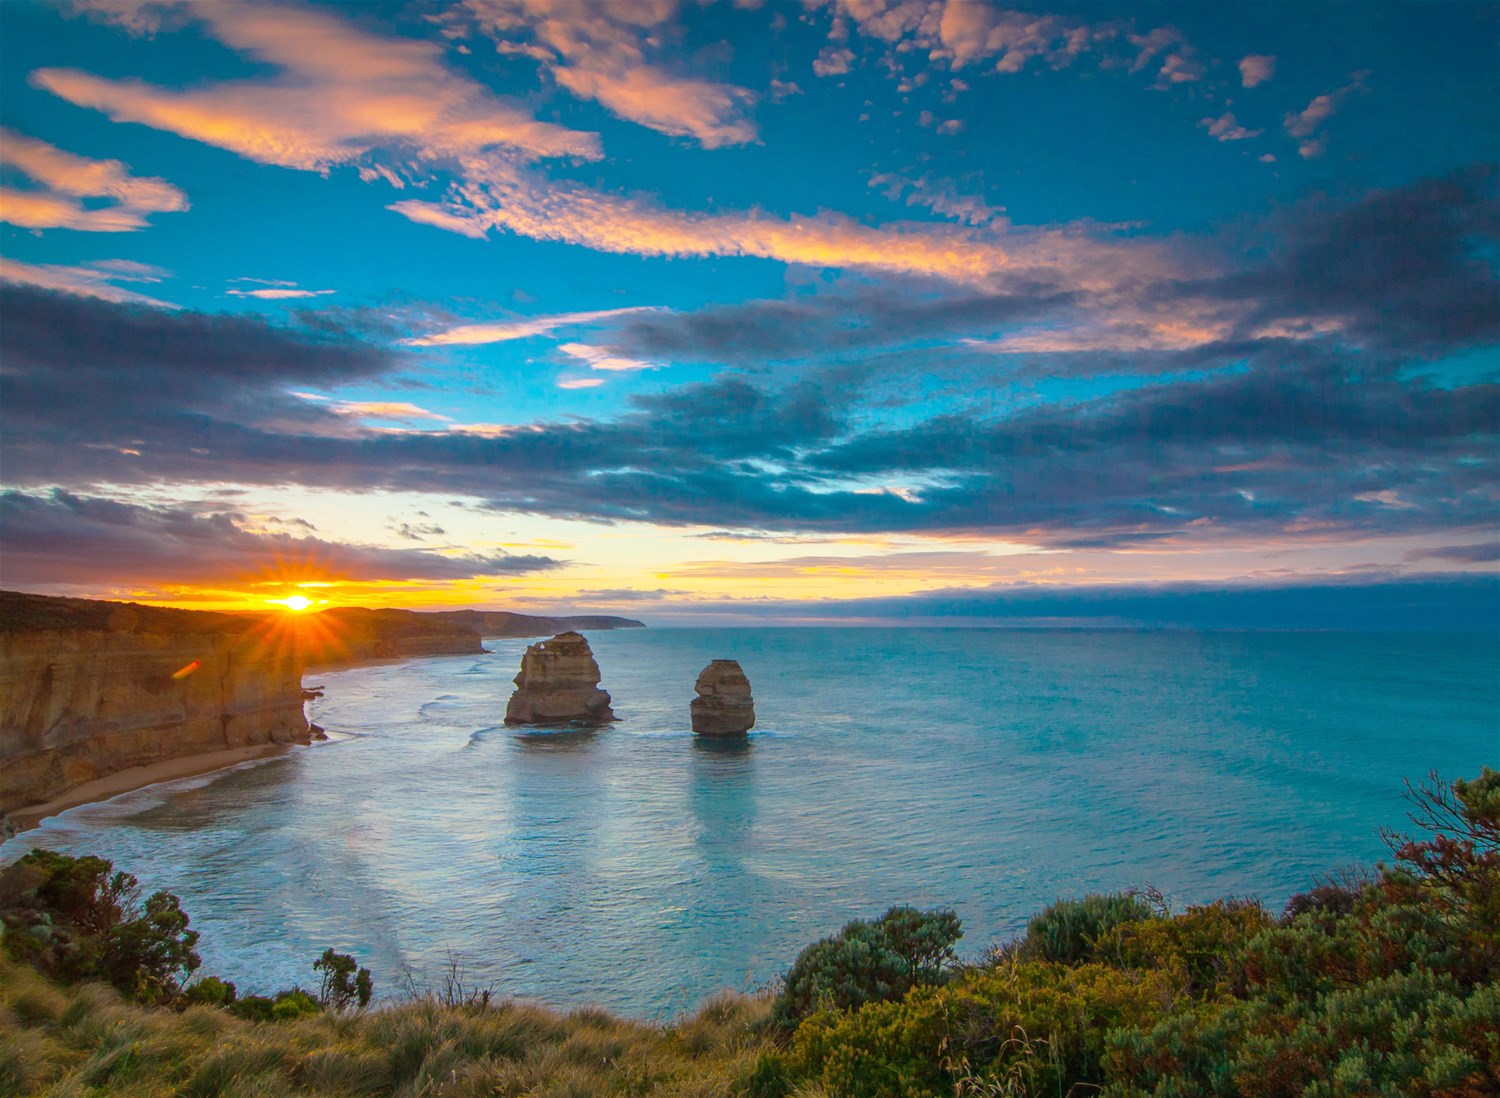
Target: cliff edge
88, 689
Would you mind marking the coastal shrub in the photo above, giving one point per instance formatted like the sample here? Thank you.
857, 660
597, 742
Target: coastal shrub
1206, 944
1066, 932
1036, 1027
78, 919
1335, 893
209, 991
344, 982
869, 962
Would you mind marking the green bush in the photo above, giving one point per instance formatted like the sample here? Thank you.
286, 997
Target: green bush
209, 991
78, 919
869, 962
1067, 931
344, 982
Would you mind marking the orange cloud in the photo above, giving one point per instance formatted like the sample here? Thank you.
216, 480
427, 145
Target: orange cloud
67, 179
341, 95
595, 51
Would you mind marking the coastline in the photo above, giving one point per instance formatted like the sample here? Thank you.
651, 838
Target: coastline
139, 777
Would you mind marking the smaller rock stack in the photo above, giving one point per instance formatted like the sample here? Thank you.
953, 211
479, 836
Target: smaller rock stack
559, 682
723, 706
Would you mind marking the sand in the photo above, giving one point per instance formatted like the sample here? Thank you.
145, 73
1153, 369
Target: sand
138, 777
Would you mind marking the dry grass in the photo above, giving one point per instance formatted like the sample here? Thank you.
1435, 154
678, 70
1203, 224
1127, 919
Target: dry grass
64, 1042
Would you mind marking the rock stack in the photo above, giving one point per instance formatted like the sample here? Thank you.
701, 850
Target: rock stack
723, 706
559, 682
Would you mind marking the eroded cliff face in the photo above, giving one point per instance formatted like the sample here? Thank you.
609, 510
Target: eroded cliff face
97, 693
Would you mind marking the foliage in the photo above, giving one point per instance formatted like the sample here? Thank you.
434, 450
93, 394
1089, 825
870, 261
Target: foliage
78, 919
869, 962
342, 987
1067, 931
1381, 983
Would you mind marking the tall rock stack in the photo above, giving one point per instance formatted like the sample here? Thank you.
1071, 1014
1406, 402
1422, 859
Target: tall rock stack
559, 682
723, 706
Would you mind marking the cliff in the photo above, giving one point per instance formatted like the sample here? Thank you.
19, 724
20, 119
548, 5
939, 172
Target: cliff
352, 634
90, 688
503, 623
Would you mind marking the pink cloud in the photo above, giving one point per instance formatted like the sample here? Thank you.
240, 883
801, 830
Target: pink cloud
1256, 69
598, 52
67, 179
1226, 128
341, 94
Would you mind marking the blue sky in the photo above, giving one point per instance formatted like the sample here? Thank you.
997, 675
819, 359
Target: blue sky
738, 308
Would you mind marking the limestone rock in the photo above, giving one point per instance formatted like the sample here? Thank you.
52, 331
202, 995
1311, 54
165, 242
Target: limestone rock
723, 706
91, 688
559, 682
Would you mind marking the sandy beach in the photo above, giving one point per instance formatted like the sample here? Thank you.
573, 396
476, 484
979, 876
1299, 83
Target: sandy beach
138, 777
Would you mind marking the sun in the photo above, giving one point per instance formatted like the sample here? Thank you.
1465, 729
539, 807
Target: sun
295, 603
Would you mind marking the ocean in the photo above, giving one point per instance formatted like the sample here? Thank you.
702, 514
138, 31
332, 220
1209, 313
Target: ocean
636, 868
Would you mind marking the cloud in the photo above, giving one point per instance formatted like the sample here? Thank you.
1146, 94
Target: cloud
341, 97
625, 594
277, 293
580, 383
385, 409
598, 52
505, 330
1484, 552
597, 358
1306, 123
1257, 69
833, 61
1226, 128
940, 197
1297, 414
95, 279
66, 180
62, 539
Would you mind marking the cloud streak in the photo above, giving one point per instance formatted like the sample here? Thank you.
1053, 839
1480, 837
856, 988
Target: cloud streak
66, 180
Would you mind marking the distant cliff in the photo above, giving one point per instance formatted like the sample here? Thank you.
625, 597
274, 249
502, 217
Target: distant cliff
352, 634
90, 688
502, 623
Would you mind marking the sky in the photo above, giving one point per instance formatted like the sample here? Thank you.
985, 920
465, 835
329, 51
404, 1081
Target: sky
895, 310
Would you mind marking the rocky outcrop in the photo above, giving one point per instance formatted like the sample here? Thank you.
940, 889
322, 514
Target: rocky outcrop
723, 706
90, 688
559, 683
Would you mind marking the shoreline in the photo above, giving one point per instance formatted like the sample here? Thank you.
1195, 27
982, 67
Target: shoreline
136, 778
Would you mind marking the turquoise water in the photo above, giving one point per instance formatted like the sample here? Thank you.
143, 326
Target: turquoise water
990, 771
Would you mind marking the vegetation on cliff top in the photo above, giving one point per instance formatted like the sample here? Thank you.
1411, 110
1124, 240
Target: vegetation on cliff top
1377, 983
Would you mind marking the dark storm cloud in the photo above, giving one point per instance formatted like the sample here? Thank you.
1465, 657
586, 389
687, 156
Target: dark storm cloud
62, 538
